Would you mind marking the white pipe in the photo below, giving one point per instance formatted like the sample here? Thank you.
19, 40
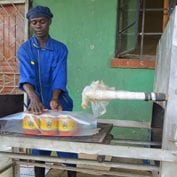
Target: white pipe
110, 95
98, 91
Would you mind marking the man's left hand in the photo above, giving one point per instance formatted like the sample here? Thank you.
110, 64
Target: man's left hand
55, 105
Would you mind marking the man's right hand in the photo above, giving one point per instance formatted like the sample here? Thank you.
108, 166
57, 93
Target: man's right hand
35, 106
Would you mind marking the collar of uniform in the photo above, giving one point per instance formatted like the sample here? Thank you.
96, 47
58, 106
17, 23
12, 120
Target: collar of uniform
48, 45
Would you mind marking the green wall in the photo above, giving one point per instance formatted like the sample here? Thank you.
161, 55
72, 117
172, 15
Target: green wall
88, 28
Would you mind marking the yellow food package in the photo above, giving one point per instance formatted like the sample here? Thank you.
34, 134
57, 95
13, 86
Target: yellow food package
48, 125
30, 124
67, 126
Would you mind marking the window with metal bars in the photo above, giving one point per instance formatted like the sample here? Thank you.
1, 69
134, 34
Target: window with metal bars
140, 25
12, 34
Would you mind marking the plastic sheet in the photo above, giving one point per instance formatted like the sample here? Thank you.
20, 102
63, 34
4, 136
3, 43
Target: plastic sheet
50, 123
98, 106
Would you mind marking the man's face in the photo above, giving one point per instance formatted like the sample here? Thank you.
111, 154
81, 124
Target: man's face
40, 26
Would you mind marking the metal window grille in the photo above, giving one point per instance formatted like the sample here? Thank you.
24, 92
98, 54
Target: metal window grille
137, 27
12, 34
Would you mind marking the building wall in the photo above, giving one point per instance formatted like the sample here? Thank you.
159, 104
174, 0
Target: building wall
88, 28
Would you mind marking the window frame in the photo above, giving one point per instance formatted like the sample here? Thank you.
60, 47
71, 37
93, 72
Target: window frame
143, 62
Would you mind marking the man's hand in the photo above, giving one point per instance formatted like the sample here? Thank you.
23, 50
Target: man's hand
55, 105
35, 106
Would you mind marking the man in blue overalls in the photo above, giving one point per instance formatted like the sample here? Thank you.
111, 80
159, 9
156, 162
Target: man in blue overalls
43, 73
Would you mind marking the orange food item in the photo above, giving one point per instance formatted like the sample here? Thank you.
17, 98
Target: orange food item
30, 124
48, 126
67, 126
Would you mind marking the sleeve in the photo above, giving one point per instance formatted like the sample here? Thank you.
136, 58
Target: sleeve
26, 67
59, 74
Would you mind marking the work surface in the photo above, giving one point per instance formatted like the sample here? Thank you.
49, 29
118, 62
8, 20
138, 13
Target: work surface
54, 143
104, 130
100, 137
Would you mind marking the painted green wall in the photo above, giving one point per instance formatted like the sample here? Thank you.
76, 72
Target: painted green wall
88, 28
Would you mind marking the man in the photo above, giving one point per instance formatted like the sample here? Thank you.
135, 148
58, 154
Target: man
43, 73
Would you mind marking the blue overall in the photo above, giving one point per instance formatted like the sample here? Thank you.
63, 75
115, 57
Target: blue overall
46, 70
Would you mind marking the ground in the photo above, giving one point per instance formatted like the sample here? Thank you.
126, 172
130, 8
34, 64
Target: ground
28, 172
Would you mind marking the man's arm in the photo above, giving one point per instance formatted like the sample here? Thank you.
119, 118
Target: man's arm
35, 106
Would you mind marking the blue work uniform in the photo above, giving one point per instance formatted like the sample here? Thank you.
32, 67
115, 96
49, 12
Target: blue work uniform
46, 70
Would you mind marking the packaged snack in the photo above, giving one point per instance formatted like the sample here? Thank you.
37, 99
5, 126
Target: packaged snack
48, 125
67, 126
31, 124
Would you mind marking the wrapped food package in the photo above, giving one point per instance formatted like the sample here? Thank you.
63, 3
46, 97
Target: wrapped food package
50, 123
67, 126
30, 124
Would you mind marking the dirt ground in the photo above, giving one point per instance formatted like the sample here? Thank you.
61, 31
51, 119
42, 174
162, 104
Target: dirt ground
110, 172
117, 172
59, 173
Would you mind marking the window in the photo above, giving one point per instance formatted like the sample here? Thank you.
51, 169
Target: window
140, 25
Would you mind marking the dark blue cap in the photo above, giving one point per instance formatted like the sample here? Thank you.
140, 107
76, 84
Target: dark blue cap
39, 11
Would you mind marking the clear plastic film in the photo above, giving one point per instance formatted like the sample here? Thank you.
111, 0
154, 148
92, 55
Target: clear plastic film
50, 123
98, 106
